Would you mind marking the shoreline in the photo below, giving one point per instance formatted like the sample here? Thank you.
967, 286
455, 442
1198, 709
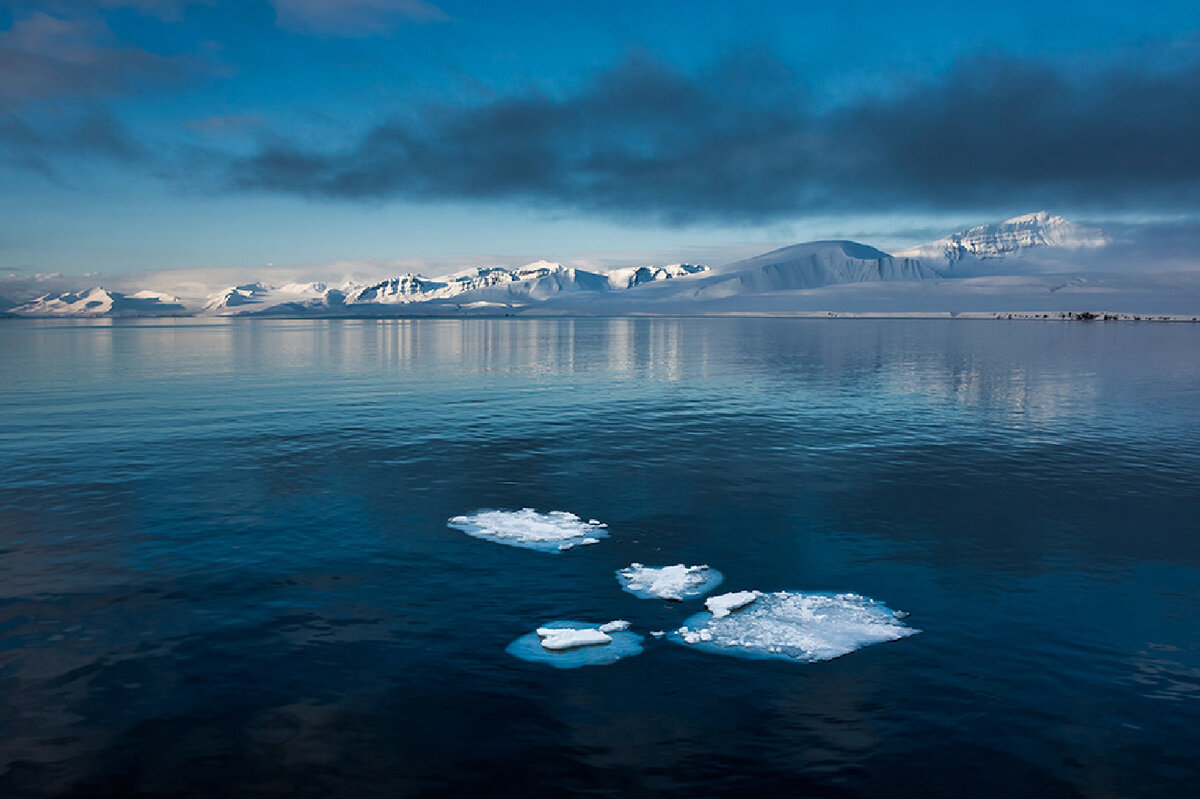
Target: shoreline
1030, 316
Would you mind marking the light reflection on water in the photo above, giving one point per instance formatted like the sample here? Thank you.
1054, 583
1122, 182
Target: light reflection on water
224, 559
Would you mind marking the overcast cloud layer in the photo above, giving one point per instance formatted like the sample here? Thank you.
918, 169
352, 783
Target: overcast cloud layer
741, 142
141, 134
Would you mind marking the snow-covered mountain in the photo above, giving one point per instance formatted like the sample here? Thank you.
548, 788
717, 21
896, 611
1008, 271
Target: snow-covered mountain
1038, 240
1041, 260
632, 276
809, 266
479, 287
98, 301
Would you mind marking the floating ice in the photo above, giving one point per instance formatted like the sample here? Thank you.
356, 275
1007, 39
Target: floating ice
572, 544
676, 582
615, 626
566, 638
721, 606
556, 531
571, 644
788, 624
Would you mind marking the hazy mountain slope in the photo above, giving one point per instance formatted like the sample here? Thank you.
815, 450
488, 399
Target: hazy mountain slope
98, 301
1033, 242
803, 266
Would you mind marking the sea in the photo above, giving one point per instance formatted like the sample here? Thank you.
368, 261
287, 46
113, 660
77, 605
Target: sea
226, 568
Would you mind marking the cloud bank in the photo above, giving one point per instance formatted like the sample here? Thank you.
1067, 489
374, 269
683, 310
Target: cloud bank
741, 142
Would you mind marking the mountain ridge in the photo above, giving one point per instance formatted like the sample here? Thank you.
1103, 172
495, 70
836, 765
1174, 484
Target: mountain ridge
1019, 237
797, 276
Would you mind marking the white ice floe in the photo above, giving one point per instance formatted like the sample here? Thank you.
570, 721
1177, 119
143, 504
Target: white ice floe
556, 531
676, 582
571, 644
557, 638
721, 606
615, 626
791, 625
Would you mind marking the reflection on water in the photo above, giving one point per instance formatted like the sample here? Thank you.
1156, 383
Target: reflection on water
224, 559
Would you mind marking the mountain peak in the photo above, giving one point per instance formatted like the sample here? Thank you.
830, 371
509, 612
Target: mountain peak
1035, 218
1014, 237
99, 301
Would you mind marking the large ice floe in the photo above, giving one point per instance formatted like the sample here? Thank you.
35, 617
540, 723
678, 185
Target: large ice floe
676, 582
571, 644
555, 531
791, 625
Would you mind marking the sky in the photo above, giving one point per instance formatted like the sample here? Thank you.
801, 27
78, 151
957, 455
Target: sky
144, 135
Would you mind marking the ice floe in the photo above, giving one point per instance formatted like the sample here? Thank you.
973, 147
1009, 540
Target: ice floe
676, 582
721, 606
615, 626
558, 638
791, 625
555, 531
571, 644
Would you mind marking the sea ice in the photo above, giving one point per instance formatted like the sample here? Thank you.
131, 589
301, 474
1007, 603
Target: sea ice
721, 606
556, 531
676, 582
571, 644
557, 638
791, 625
615, 626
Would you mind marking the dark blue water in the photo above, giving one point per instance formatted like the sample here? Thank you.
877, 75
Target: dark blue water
225, 569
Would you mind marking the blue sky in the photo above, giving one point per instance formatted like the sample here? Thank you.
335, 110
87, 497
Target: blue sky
141, 135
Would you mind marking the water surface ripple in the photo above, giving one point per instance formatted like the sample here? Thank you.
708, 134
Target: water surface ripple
225, 567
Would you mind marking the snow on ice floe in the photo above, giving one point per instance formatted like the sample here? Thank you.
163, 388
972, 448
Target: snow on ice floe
721, 606
676, 582
571, 644
791, 625
556, 531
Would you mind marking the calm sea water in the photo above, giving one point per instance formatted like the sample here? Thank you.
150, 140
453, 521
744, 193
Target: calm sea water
225, 568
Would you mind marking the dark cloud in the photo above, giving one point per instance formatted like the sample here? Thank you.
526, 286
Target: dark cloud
46, 147
46, 57
742, 142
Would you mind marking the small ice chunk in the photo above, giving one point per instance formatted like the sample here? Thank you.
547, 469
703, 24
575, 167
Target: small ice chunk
658, 633
565, 638
792, 625
675, 583
571, 644
614, 626
555, 531
724, 604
